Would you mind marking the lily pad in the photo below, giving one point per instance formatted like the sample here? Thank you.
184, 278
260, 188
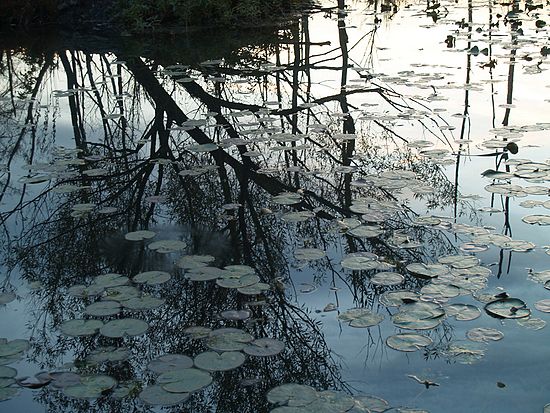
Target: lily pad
408, 342
371, 404
167, 246
360, 261
103, 308
152, 277
463, 312
287, 198
184, 380
507, 308
213, 361
427, 270
264, 347
157, 396
110, 280
292, 395
484, 335
7, 393
80, 327
169, 362
309, 254
7, 297
7, 372
543, 305
139, 235
108, 354
361, 317
419, 316
145, 302
124, 327
387, 278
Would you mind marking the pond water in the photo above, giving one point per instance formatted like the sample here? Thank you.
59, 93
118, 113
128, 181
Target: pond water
348, 213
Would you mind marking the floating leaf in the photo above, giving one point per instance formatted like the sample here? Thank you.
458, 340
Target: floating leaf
361, 317
537, 219
139, 235
419, 316
103, 308
543, 305
111, 354
169, 362
264, 347
507, 308
152, 277
463, 312
124, 327
7, 372
483, 334
167, 246
157, 396
7, 393
213, 361
371, 404
408, 342
387, 278
184, 380
309, 254
532, 323
427, 270
360, 261
287, 198
79, 327
292, 395
110, 280
7, 297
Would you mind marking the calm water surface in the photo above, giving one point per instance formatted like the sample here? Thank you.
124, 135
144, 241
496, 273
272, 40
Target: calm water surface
390, 159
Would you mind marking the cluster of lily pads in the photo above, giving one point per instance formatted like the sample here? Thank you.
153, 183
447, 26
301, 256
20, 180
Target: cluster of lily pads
300, 398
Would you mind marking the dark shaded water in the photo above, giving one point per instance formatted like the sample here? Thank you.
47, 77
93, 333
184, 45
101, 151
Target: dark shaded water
281, 180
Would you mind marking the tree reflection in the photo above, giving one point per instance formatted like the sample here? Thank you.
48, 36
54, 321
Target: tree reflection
133, 129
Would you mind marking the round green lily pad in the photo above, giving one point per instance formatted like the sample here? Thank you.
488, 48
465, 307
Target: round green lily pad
419, 316
184, 380
139, 235
7, 297
145, 302
152, 277
124, 327
122, 293
7, 393
371, 404
7, 372
463, 312
110, 280
408, 342
80, 327
507, 308
212, 361
169, 362
6, 381
103, 308
309, 254
264, 347
167, 246
387, 278
105, 354
293, 395
482, 334
543, 305
361, 317
157, 396
329, 401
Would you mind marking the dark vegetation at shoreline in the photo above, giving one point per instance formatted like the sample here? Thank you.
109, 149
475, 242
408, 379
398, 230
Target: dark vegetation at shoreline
135, 16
